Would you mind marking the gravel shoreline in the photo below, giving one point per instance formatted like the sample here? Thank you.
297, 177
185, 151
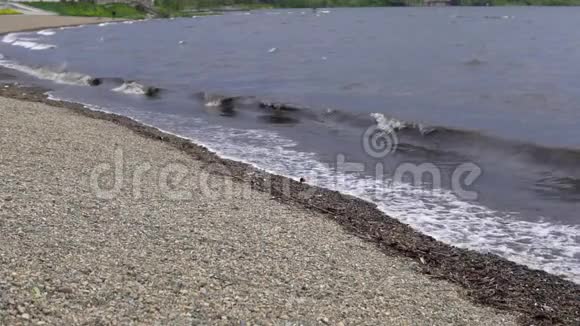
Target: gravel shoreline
536, 297
233, 255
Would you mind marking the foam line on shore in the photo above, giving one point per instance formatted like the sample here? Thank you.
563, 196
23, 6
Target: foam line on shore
438, 213
30, 43
60, 77
46, 32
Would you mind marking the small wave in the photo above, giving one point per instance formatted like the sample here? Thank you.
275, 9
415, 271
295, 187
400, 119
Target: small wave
57, 76
134, 88
473, 143
214, 103
225, 105
33, 45
386, 124
106, 24
16, 39
62, 76
46, 32
70, 27
499, 17
389, 125
106, 80
131, 88
282, 113
280, 106
466, 143
11, 37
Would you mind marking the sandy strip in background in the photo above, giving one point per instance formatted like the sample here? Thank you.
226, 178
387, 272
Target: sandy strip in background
22, 22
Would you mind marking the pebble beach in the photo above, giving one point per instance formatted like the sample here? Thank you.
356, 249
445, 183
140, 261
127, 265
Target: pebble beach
69, 257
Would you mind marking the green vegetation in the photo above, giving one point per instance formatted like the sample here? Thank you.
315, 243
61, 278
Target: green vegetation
171, 11
186, 7
517, 2
338, 3
535, 2
179, 5
176, 8
8, 11
90, 10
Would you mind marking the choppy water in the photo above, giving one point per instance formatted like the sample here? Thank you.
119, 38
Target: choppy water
487, 97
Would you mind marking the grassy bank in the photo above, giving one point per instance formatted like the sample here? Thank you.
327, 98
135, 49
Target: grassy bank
180, 5
90, 10
176, 8
8, 11
177, 5
519, 3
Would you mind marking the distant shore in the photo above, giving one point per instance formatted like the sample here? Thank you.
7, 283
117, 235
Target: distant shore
532, 296
25, 23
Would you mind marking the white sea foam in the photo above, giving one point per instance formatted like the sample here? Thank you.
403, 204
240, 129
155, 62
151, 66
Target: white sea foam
388, 124
57, 76
131, 88
499, 17
213, 103
33, 45
17, 39
71, 27
541, 245
46, 32
68, 78
11, 37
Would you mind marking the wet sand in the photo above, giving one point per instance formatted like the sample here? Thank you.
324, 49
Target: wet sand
22, 22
